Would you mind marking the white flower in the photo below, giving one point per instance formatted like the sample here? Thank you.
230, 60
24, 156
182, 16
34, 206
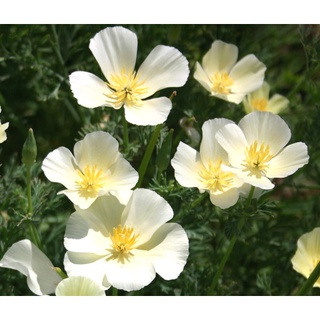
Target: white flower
79, 286
259, 100
257, 149
3, 128
97, 168
224, 77
204, 170
125, 245
28, 259
115, 50
307, 255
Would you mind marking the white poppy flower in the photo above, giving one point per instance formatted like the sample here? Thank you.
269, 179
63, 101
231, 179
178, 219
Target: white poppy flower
115, 50
259, 100
79, 286
204, 169
97, 168
307, 255
258, 151
125, 245
224, 77
3, 128
25, 257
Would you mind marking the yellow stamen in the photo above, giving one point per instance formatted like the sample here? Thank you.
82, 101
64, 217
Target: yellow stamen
257, 159
214, 179
259, 104
221, 83
127, 89
91, 180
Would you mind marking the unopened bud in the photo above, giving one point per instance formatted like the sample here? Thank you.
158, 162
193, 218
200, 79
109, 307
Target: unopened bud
29, 149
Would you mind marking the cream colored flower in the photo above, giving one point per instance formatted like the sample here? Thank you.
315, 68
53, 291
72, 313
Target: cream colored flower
125, 246
3, 128
115, 50
97, 168
224, 77
307, 255
257, 149
259, 100
204, 170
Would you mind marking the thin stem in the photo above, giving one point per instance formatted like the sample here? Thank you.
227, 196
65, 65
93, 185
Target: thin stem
148, 153
114, 291
308, 285
30, 209
125, 131
231, 245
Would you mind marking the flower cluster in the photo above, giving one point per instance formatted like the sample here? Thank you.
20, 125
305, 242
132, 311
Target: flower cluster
119, 234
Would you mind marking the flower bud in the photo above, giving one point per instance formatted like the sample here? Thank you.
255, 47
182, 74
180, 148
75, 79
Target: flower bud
29, 149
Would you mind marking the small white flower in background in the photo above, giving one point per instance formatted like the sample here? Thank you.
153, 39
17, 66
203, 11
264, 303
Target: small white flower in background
124, 246
204, 170
3, 128
25, 257
307, 255
42, 277
115, 50
224, 77
97, 168
258, 151
259, 101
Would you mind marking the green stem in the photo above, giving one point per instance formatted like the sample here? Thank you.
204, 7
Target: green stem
148, 153
114, 291
30, 209
231, 245
125, 131
308, 285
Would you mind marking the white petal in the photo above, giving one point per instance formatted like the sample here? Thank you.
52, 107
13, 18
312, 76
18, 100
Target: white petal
136, 273
152, 112
210, 149
146, 211
201, 76
60, 166
226, 199
168, 250
165, 67
97, 148
233, 141
186, 163
288, 161
26, 258
115, 49
89, 90
220, 58
266, 127
247, 74
277, 103
79, 286
3, 135
84, 202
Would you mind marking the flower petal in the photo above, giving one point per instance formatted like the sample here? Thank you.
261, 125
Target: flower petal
168, 249
277, 103
266, 127
225, 199
3, 128
115, 49
288, 161
60, 166
152, 112
164, 67
146, 211
79, 286
220, 58
89, 90
210, 149
186, 163
26, 258
201, 76
248, 74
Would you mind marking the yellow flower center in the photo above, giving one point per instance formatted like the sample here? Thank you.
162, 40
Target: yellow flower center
257, 158
123, 241
214, 179
221, 83
127, 89
259, 104
91, 180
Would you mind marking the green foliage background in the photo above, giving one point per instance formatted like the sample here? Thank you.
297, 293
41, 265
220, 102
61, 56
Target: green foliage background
35, 62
